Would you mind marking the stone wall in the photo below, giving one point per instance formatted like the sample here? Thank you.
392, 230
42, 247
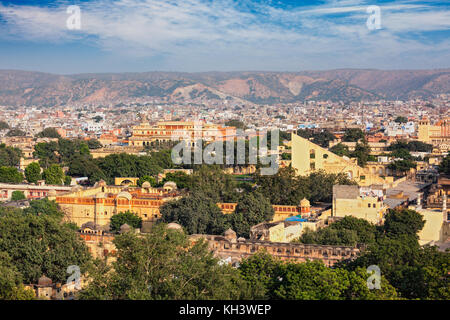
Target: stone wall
238, 249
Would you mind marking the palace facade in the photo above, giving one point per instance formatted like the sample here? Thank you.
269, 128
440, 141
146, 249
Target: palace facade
165, 131
99, 203
437, 134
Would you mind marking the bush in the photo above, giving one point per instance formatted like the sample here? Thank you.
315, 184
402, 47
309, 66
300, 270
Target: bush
17, 195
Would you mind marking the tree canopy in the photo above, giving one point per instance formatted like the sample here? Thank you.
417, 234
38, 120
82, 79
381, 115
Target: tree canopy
444, 167
287, 188
127, 217
353, 135
416, 272
10, 175
9, 156
164, 265
319, 137
270, 278
53, 175
16, 133
40, 244
48, 133
33, 172
196, 213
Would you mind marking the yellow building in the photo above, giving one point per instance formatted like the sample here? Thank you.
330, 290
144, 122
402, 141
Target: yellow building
281, 212
283, 231
166, 131
363, 203
436, 134
308, 157
99, 203
437, 222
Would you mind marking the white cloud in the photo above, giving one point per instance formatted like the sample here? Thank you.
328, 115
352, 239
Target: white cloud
222, 32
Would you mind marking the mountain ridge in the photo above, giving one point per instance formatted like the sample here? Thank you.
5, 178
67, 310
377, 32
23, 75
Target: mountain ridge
19, 87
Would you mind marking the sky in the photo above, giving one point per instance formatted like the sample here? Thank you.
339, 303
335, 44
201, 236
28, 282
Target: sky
223, 35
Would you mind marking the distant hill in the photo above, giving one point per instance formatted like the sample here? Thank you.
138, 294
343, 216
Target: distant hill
36, 88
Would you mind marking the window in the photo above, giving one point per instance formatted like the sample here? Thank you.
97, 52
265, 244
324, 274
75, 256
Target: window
312, 165
368, 205
325, 156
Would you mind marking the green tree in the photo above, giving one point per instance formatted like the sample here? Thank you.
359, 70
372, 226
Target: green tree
3, 125
53, 175
127, 165
329, 236
270, 278
128, 217
164, 265
85, 166
403, 222
149, 179
238, 124
283, 188
44, 206
402, 166
320, 185
17, 195
401, 119
33, 172
402, 153
444, 166
253, 208
348, 231
261, 272
321, 138
41, 245
353, 135
197, 213
340, 149
48, 133
417, 272
11, 287
10, 175
97, 118
361, 152
67, 180
213, 183
182, 179
16, 133
94, 144
47, 153
9, 156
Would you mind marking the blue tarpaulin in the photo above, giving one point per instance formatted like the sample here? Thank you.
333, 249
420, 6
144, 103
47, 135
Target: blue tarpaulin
296, 218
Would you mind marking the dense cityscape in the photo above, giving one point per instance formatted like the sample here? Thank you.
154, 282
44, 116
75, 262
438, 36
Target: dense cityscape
105, 175
253, 186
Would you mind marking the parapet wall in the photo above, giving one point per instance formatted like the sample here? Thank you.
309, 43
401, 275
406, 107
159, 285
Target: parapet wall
240, 249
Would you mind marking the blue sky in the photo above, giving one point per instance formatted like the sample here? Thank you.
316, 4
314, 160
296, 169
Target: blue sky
223, 35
